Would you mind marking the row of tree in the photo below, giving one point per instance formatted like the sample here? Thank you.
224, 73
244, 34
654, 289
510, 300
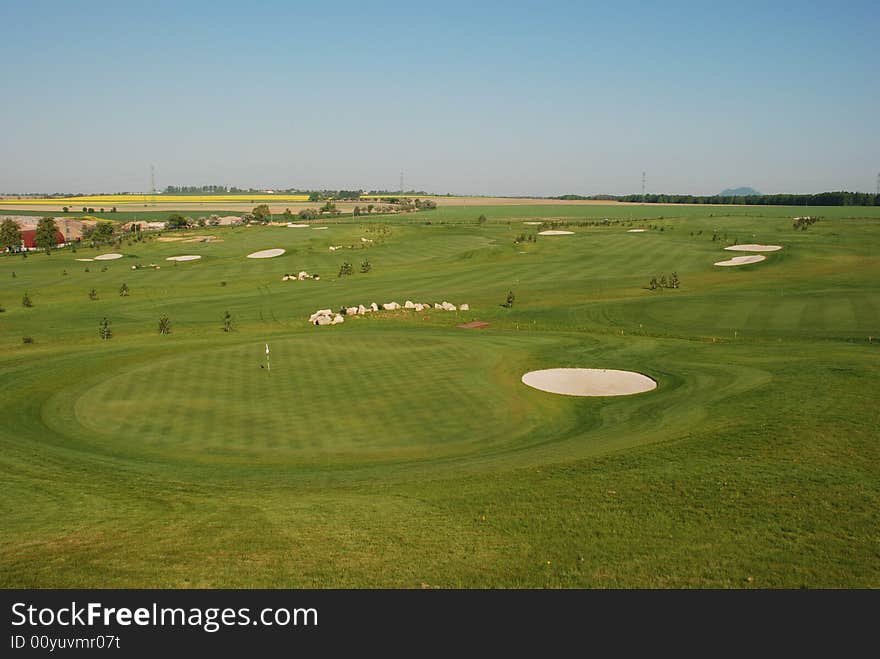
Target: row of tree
838, 198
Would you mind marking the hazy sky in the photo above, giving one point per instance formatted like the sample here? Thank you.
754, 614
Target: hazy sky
471, 97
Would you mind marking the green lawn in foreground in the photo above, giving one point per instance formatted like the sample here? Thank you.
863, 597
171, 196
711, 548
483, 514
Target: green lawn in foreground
399, 450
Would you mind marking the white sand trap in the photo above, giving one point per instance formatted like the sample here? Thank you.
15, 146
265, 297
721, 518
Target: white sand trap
266, 253
635, 231
85, 259
743, 260
185, 257
533, 223
753, 248
108, 257
318, 228
589, 381
554, 232
297, 226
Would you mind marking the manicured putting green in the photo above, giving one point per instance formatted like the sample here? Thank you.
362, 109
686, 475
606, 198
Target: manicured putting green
340, 397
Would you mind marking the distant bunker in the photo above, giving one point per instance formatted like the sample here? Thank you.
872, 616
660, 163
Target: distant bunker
589, 381
742, 260
754, 248
266, 253
555, 232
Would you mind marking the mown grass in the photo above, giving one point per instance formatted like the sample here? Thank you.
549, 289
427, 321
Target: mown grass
398, 450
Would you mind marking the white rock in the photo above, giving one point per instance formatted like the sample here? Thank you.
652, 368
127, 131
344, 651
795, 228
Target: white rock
437, 305
337, 319
323, 320
465, 307
351, 311
302, 275
374, 307
447, 306
361, 309
418, 306
409, 305
390, 306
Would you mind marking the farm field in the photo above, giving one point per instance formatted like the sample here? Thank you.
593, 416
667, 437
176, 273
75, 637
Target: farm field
400, 450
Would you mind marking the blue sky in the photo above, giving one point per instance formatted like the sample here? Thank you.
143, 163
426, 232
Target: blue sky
471, 97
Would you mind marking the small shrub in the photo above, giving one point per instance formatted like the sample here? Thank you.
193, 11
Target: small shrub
26, 301
93, 295
27, 339
164, 325
104, 329
123, 290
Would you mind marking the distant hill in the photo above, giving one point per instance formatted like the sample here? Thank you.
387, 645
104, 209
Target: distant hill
738, 192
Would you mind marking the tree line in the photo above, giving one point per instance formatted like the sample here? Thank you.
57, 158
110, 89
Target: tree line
839, 198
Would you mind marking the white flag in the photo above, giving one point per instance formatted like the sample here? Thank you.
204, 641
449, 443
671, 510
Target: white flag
267, 348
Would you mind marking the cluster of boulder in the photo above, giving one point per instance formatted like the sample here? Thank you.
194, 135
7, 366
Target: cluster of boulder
302, 275
329, 317
326, 317
139, 266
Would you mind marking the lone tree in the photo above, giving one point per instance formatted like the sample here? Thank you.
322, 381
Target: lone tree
366, 266
26, 300
262, 214
176, 221
10, 235
482, 219
93, 295
123, 290
104, 330
227, 322
510, 299
164, 325
103, 232
345, 269
47, 234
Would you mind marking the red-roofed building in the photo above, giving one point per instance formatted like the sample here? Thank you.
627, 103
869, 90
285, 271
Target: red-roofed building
28, 238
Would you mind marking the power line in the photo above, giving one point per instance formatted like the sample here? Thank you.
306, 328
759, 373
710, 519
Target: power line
152, 185
643, 186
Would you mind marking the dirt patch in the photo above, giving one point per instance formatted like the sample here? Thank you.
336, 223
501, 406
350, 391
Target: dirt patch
189, 239
474, 324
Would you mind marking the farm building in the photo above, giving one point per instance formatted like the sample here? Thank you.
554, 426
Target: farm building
28, 238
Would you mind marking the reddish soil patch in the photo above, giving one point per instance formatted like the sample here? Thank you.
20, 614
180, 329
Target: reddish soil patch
476, 324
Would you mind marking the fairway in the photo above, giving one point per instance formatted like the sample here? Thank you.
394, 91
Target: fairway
403, 449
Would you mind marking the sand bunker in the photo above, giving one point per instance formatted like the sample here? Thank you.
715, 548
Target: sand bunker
474, 324
266, 253
635, 231
318, 228
753, 248
85, 259
108, 257
589, 382
743, 260
185, 257
533, 223
554, 232
297, 226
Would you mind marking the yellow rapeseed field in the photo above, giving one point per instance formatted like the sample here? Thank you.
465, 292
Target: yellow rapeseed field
141, 199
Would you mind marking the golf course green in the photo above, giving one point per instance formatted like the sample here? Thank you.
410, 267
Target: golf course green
397, 449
